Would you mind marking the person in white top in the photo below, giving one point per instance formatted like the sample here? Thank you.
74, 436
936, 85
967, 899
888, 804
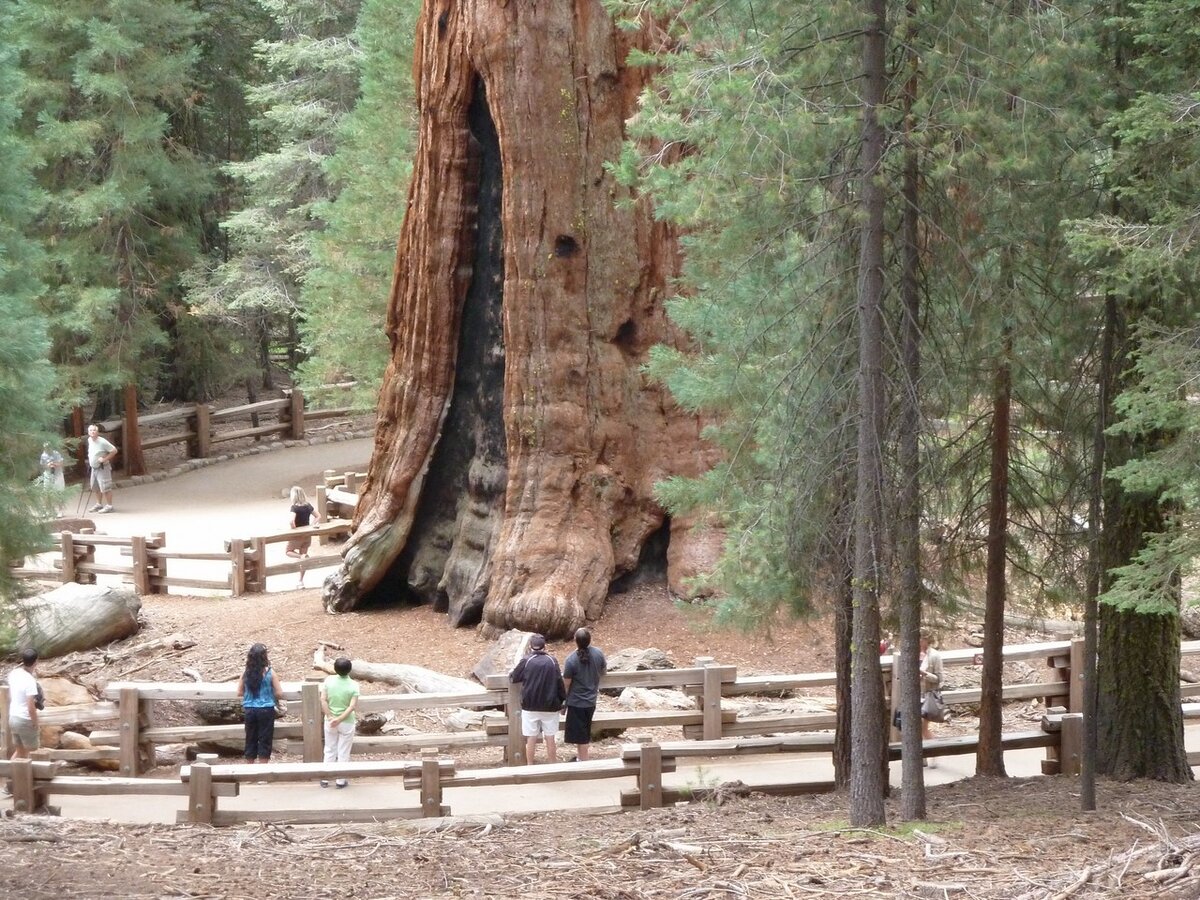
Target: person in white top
100, 456
23, 706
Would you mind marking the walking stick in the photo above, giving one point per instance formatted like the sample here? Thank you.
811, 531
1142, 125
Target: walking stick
81, 505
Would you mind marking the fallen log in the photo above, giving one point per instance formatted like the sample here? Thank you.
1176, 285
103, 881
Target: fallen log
410, 679
74, 617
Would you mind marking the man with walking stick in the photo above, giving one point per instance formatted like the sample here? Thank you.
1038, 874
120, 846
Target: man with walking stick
100, 456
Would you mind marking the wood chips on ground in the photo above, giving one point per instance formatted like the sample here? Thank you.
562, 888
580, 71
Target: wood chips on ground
985, 839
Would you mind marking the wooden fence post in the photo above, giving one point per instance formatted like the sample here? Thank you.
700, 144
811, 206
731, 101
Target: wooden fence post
128, 711
312, 721
23, 796
68, 558
712, 703
131, 458
237, 566
86, 556
257, 583
431, 783
141, 565
1075, 697
322, 511
77, 431
296, 414
157, 568
516, 740
700, 662
650, 787
200, 439
200, 795
350, 482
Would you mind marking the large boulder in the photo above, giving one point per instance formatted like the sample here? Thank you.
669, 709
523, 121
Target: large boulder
503, 655
75, 617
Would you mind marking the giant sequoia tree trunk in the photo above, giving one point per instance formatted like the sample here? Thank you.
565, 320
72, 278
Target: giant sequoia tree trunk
518, 443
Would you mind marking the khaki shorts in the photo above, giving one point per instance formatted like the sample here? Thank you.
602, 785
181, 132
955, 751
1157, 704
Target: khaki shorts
102, 479
539, 724
24, 733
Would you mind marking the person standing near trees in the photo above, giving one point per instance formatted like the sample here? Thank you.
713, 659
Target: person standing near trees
51, 462
303, 515
101, 453
23, 705
932, 670
542, 696
259, 689
581, 674
339, 697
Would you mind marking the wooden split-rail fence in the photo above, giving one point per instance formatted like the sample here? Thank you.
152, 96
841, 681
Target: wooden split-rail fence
241, 567
708, 731
200, 427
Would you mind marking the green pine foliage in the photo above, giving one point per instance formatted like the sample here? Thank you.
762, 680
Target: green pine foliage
310, 82
27, 379
744, 143
1145, 252
107, 86
748, 142
355, 251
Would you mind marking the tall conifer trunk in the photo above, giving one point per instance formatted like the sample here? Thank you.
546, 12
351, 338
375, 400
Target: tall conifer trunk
905, 670
867, 745
1138, 715
989, 756
518, 441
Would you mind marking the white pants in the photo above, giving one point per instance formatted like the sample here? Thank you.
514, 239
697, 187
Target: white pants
338, 740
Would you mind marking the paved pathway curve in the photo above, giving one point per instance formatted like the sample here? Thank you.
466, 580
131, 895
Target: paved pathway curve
201, 509
599, 794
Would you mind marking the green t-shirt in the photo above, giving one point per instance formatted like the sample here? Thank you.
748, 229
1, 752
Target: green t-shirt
339, 691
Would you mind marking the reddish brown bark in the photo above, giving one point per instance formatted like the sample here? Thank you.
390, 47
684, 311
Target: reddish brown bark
518, 442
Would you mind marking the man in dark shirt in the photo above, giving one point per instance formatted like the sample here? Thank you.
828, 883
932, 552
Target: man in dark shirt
582, 673
542, 695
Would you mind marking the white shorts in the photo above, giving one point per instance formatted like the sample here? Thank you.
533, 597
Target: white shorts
535, 724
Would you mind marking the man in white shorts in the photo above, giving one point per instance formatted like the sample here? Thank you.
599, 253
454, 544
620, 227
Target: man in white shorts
542, 696
22, 706
100, 456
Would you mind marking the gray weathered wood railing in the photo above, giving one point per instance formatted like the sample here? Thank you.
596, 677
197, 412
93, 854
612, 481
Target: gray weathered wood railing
201, 427
716, 734
144, 561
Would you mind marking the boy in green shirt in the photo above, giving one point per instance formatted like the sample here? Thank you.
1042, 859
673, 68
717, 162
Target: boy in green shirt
339, 696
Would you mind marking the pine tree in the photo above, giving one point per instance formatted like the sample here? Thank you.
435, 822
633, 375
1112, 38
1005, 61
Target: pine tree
26, 377
355, 252
311, 81
1145, 257
108, 84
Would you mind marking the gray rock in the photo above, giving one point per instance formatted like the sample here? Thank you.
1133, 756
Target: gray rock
633, 660
500, 659
1190, 622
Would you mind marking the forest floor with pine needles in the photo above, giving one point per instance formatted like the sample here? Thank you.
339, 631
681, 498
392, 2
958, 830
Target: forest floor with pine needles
984, 838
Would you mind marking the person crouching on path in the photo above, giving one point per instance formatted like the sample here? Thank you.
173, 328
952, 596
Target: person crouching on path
582, 673
339, 697
542, 696
303, 515
23, 706
259, 688
100, 453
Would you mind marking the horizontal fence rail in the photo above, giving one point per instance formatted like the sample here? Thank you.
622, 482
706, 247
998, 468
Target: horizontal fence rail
714, 733
145, 561
201, 427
